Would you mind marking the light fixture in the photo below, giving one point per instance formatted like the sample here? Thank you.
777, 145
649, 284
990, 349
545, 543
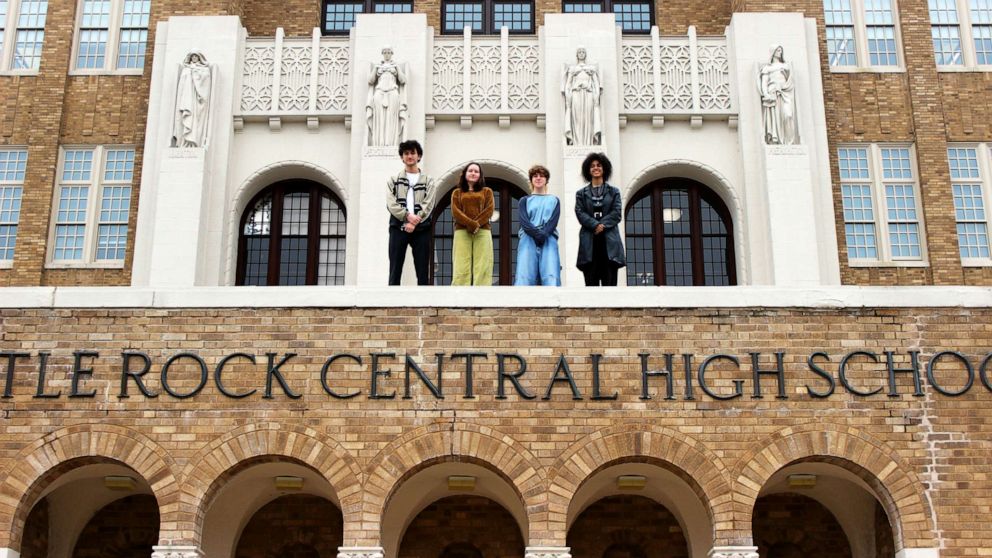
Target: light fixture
463, 483
671, 214
119, 482
802, 481
495, 217
631, 482
289, 483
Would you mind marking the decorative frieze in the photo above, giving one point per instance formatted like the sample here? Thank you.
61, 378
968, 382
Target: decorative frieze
734, 552
176, 552
547, 552
360, 552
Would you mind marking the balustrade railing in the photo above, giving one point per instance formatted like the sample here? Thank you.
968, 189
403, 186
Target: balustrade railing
290, 77
500, 75
680, 75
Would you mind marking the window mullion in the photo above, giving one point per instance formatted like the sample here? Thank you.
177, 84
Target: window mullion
967, 43
114, 33
878, 200
93, 205
863, 60
985, 178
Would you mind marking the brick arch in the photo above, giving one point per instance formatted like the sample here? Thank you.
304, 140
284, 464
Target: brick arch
892, 480
41, 463
219, 461
442, 441
683, 455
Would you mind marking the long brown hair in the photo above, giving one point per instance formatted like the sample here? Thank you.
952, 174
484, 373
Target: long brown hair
463, 184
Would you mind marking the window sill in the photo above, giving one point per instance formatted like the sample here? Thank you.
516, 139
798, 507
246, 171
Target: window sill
963, 69
18, 72
84, 265
6, 264
867, 70
128, 72
876, 263
976, 262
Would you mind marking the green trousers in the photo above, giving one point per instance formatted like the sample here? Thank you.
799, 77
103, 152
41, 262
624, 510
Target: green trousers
472, 258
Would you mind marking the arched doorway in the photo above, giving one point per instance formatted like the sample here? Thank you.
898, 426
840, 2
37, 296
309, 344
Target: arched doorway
292, 233
507, 196
463, 526
813, 509
627, 526
94, 508
679, 232
292, 526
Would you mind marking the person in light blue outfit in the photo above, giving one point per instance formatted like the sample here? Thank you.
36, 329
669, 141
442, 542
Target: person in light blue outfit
537, 249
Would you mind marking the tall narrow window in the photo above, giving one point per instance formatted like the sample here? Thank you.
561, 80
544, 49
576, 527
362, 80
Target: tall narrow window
679, 232
946, 32
112, 35
30, 34
633, 16
92, 207
880, 198
981, 30
969, 185
13, 165
339, 15
4, 8
840, 33
293, 233
880, 28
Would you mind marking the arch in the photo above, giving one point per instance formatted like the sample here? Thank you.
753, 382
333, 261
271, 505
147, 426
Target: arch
493, 168
216, 462
711, 178
258, 181
892, 480
434, 443
41, 463
700, 468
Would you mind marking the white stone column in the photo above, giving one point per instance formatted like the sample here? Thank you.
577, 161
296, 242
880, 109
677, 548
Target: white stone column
547, 552
788, 200
182, 207
8, 553
733, 552
600, 39
360, 552
904, 553
176, 552
408, 35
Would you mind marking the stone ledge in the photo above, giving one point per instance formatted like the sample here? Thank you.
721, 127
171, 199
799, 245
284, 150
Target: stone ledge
496, 297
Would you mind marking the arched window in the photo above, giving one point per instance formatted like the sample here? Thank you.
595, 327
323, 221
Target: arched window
679, 232
292, 233
507, 197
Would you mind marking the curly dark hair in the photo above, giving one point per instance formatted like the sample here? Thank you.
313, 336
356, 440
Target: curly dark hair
602, 159
463, 184
411, 145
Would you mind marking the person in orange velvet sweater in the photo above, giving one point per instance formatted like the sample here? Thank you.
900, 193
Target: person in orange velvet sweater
472, 206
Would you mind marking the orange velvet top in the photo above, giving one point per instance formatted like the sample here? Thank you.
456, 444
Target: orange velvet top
472, 210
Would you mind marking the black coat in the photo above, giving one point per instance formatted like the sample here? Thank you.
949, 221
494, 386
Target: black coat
611, 220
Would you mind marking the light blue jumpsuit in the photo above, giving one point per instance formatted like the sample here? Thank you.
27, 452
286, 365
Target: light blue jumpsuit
537, 248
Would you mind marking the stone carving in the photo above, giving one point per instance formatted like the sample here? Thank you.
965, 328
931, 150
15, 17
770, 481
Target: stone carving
486, 75
734, 552
193, 94
448, 63
297, 66
360, 552
547, 552
333, 73
582, 89
714, 76
637, 65
256, 78
176, 552
524, 68
294, 79
386, 108
676, 76
778, 100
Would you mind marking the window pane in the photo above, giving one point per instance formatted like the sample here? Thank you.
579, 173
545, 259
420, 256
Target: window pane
853, 163
982, 35
257, 260
293, 261
516, 16
640, 261
295, 214
12, 165
340, 16
715, 261
943, 12
896, 164
132, 48
458, 15
72, 204
840, 33
120, 165
27, 49
10, 212
261, 216
330, 268
69, 242
92, 48
878, 12
96, 14
633, 17
115, 204
905, 240
332, 219
969, 205
861, 241
857, 202
945, 32
963, 162
136, 14
111, 242
78, 165
882, 46
583, 7
443, 234
678, 260
393, 7
973, 240
675, 212
32, 14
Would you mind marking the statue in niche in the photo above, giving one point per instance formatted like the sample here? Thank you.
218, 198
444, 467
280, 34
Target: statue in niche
386, 108
778, 100
193, 93
582, 89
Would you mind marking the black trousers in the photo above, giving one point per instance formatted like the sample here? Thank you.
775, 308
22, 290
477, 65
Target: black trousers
601, 271
420, 242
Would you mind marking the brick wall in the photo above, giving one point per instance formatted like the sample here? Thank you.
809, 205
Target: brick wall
927, 450
461, 521
126, 528
291, 526
638, 525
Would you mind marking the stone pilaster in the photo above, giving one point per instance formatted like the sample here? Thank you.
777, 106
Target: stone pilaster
904, 553
734, 552
361, 552
176, 552
9, 553
547, 552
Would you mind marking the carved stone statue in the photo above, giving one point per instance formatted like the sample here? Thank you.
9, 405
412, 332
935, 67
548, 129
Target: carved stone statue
778, 100
582, 89
386, 108
193, 93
